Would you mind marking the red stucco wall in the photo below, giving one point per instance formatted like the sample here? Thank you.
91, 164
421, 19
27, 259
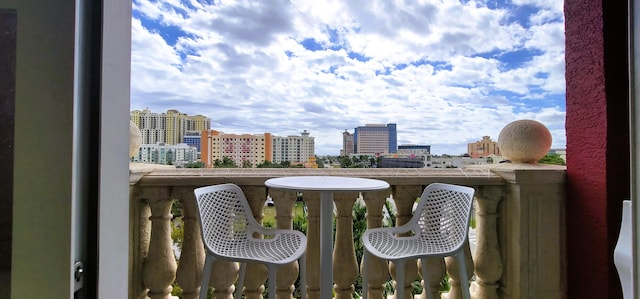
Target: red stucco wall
597, 143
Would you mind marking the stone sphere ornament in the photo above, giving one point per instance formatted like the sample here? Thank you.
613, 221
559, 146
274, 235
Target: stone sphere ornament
524, 141
135, 139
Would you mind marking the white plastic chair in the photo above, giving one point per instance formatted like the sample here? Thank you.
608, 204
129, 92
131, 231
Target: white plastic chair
439, 226
228, 228
623, 252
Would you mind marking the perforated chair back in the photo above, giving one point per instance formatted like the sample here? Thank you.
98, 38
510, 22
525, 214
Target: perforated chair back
443, 215
439, 227
230, 232
225, 224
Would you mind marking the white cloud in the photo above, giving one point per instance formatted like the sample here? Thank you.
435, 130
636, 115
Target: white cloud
436, 68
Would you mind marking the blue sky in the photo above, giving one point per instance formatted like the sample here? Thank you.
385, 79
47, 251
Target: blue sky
447, 72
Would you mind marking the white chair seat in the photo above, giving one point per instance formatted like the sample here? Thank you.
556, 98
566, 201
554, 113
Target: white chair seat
283, 248
385, 244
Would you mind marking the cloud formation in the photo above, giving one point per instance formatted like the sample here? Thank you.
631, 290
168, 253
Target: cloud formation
446, 72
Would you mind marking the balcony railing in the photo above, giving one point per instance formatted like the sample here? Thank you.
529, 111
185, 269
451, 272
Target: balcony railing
520, 236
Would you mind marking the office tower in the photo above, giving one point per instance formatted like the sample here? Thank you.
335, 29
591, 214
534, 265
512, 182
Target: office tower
376, 139
348, 145
193, 139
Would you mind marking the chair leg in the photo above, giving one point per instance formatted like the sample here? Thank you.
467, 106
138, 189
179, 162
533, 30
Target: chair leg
272, 281
206, 276
240, 284
425, 278
400, 278
302, 262
464, 280
365, 270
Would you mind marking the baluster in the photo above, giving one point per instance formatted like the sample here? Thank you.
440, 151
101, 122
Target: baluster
256, 273
159, 270
192, 254
223, 276
405, 197
140, 214
345, 265
488, 265
287, 274
312, 200
378, 272
455, 292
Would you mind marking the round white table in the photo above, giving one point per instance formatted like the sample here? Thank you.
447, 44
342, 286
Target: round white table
326, 185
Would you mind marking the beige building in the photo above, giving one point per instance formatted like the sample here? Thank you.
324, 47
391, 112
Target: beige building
169, 127
239, 148
257, 149
483, 148
295, 149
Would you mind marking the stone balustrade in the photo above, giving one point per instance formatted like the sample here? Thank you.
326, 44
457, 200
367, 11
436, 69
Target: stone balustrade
519, 211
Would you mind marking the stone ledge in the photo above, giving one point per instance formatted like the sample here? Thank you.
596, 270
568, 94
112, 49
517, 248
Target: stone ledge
521, 173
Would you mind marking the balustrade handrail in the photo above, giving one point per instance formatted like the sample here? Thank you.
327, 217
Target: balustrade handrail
163, 176
510, 201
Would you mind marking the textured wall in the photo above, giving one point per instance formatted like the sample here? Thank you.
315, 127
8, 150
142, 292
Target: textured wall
7, 108
597, 143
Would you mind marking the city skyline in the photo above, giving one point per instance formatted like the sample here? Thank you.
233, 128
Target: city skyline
284, 67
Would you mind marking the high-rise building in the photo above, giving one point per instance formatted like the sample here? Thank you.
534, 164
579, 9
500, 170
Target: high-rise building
295, 149
193, 139
151, 125
483, 148
375, 139
169, 127
348, 145
240, 148
197, 123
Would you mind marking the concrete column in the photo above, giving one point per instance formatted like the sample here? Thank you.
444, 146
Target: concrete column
532, 237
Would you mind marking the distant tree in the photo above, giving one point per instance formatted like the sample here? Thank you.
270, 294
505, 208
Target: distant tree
552, 159
247, 164
265, 164
225, 163
345, 162
283, 164
372, 161
320, 162
197, 164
